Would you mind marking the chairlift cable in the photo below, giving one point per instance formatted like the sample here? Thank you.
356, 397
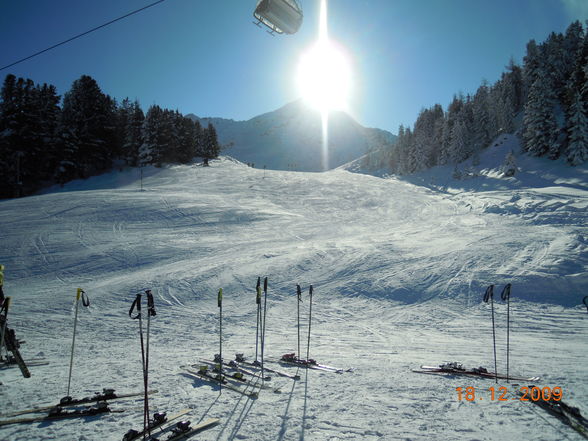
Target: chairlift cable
82, 34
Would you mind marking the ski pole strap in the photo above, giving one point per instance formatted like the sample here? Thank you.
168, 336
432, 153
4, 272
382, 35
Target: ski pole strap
489, 293
299, 292
150, 303
505, 292
136, 306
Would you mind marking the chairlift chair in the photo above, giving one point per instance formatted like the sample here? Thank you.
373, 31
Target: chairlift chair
280, 16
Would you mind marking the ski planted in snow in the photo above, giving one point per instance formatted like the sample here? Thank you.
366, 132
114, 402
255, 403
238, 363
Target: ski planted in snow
183, 430
12, 345
158, 420
58, 413
311, 364
9, 337
565, 413
454, 368
106, 394
240, 359
221, 381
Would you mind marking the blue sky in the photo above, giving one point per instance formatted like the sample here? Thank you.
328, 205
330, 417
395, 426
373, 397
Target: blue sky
207, 58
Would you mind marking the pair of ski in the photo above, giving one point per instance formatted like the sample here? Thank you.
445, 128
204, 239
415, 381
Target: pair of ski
240, 360
291, 359
223, 381
565, 413
177, 431
11, 362
57, 409
58, 413
458, 369
232, 366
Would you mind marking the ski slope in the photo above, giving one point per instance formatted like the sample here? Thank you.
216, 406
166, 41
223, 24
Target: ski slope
398, 268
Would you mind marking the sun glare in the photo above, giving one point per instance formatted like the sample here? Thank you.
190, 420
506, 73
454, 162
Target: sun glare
324, 75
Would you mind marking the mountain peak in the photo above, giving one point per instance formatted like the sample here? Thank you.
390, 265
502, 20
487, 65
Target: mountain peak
290, 138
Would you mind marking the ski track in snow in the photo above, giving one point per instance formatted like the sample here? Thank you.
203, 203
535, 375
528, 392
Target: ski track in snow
398, 271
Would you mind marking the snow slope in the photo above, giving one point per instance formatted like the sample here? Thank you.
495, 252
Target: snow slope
398, 271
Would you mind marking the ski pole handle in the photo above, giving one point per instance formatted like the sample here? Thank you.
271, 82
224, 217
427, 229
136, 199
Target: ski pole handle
265, 285
505, 295
150, 304
489, 294
84, 297
299, 292
136, 306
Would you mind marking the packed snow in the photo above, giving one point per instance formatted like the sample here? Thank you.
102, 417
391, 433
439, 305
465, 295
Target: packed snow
398, 266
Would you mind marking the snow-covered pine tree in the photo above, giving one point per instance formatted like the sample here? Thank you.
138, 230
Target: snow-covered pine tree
481, 125
453, 110
458, 150
509, 167
577, 149
539, 122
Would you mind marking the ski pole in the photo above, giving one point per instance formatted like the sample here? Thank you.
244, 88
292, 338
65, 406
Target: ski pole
4, 307
4, 303
220, 305
506, 296
79, 295
258, 305
150, 313
309, 323
137, 306
299, 295
489, 296
263, 327
585, 301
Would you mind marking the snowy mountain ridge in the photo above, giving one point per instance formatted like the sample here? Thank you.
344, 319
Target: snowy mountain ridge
290, 138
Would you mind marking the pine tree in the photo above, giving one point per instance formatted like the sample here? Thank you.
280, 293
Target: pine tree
88, 123
8, 134
577, 149
187, 139
212, 147
539, 122
150, 151
509, 168
133, 134
481, 127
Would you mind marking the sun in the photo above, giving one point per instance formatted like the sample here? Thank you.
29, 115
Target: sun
324, 77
